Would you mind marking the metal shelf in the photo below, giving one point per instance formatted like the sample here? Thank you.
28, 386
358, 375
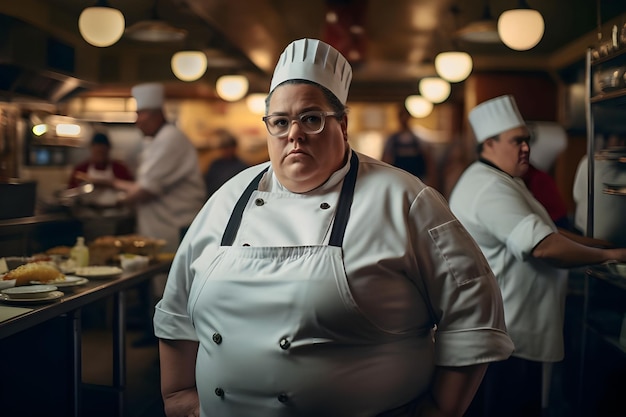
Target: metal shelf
619, 96
613, 55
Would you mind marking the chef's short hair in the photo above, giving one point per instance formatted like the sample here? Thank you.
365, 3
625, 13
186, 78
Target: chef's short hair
101, 139
481, 145
336, 104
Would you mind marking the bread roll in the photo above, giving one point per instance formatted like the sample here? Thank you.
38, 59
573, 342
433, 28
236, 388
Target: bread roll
34, 271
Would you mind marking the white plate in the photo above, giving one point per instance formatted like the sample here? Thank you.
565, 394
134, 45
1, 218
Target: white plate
51, 296
98, 272
69, 282
7, 283
28, 291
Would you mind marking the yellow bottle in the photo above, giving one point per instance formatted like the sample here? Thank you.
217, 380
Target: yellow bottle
80, 253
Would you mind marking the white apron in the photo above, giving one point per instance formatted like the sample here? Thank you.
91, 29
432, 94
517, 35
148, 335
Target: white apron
289, 340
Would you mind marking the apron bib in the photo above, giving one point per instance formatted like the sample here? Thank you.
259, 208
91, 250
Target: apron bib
281, 336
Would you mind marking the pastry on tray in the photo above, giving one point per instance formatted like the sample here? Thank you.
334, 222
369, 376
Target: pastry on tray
34, 271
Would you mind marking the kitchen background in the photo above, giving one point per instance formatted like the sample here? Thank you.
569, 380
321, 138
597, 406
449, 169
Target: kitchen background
48, 71
51, 76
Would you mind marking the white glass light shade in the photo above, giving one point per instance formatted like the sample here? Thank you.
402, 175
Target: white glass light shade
256, 103
418, 106
40, 129
189, 65
521, 29
232, 87
68, 129
101, 26
434, 89
453, 66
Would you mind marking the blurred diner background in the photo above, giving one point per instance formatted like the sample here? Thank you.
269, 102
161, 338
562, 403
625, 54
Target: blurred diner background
66, 77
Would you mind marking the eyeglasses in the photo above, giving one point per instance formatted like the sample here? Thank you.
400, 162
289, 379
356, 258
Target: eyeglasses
311, 122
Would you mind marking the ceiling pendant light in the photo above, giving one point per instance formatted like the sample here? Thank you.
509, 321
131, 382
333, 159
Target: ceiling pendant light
154, 29
232, 87
484, 30
522, 28
101, 25
189, 65
418, 106
256, 103
453, 66
434, 89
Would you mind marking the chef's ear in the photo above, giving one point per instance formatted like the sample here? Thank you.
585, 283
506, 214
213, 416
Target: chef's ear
344, 126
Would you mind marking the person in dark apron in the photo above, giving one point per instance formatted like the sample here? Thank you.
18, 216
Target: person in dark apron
325, 282
404, 150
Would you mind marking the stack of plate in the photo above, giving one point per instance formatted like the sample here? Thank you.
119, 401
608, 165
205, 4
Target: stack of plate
98, 272
30, 294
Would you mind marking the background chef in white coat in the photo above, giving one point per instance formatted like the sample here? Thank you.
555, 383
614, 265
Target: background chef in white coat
526, 253
169, 189
309, 285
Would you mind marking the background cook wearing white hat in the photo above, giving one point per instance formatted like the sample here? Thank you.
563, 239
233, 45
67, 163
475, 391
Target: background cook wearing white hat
308, 285
525, 251
169, 189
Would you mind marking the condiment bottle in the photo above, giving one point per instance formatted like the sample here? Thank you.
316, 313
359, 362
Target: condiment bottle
80, 253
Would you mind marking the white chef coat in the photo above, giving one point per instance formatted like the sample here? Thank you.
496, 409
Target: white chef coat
169, 169
360, 342
507, 222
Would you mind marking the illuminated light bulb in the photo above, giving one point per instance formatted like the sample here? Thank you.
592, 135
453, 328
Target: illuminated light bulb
232, 87
256, 103
189, 65
40, 129
521, 29
101, 26
453, 66
434, 89
418, 106
68, 129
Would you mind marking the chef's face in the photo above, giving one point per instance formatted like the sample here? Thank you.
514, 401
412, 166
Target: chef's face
99, 153
304, 161
149, 121
510, 151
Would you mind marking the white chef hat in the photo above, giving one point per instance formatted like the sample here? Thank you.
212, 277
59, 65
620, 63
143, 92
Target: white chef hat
495, 116
548, 140
148, 96
314, 60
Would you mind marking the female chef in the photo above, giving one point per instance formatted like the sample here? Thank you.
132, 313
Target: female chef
310, 285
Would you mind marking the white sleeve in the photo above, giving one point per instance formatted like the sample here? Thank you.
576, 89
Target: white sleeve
460, 287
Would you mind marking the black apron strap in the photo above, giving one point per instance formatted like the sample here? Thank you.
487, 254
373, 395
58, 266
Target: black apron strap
345, 203
235, 218
341, 216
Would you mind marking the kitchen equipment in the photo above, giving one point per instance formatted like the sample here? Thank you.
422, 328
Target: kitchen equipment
67, 197
609, 79
18, 198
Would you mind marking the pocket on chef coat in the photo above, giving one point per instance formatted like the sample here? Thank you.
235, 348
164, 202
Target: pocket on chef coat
460, 252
